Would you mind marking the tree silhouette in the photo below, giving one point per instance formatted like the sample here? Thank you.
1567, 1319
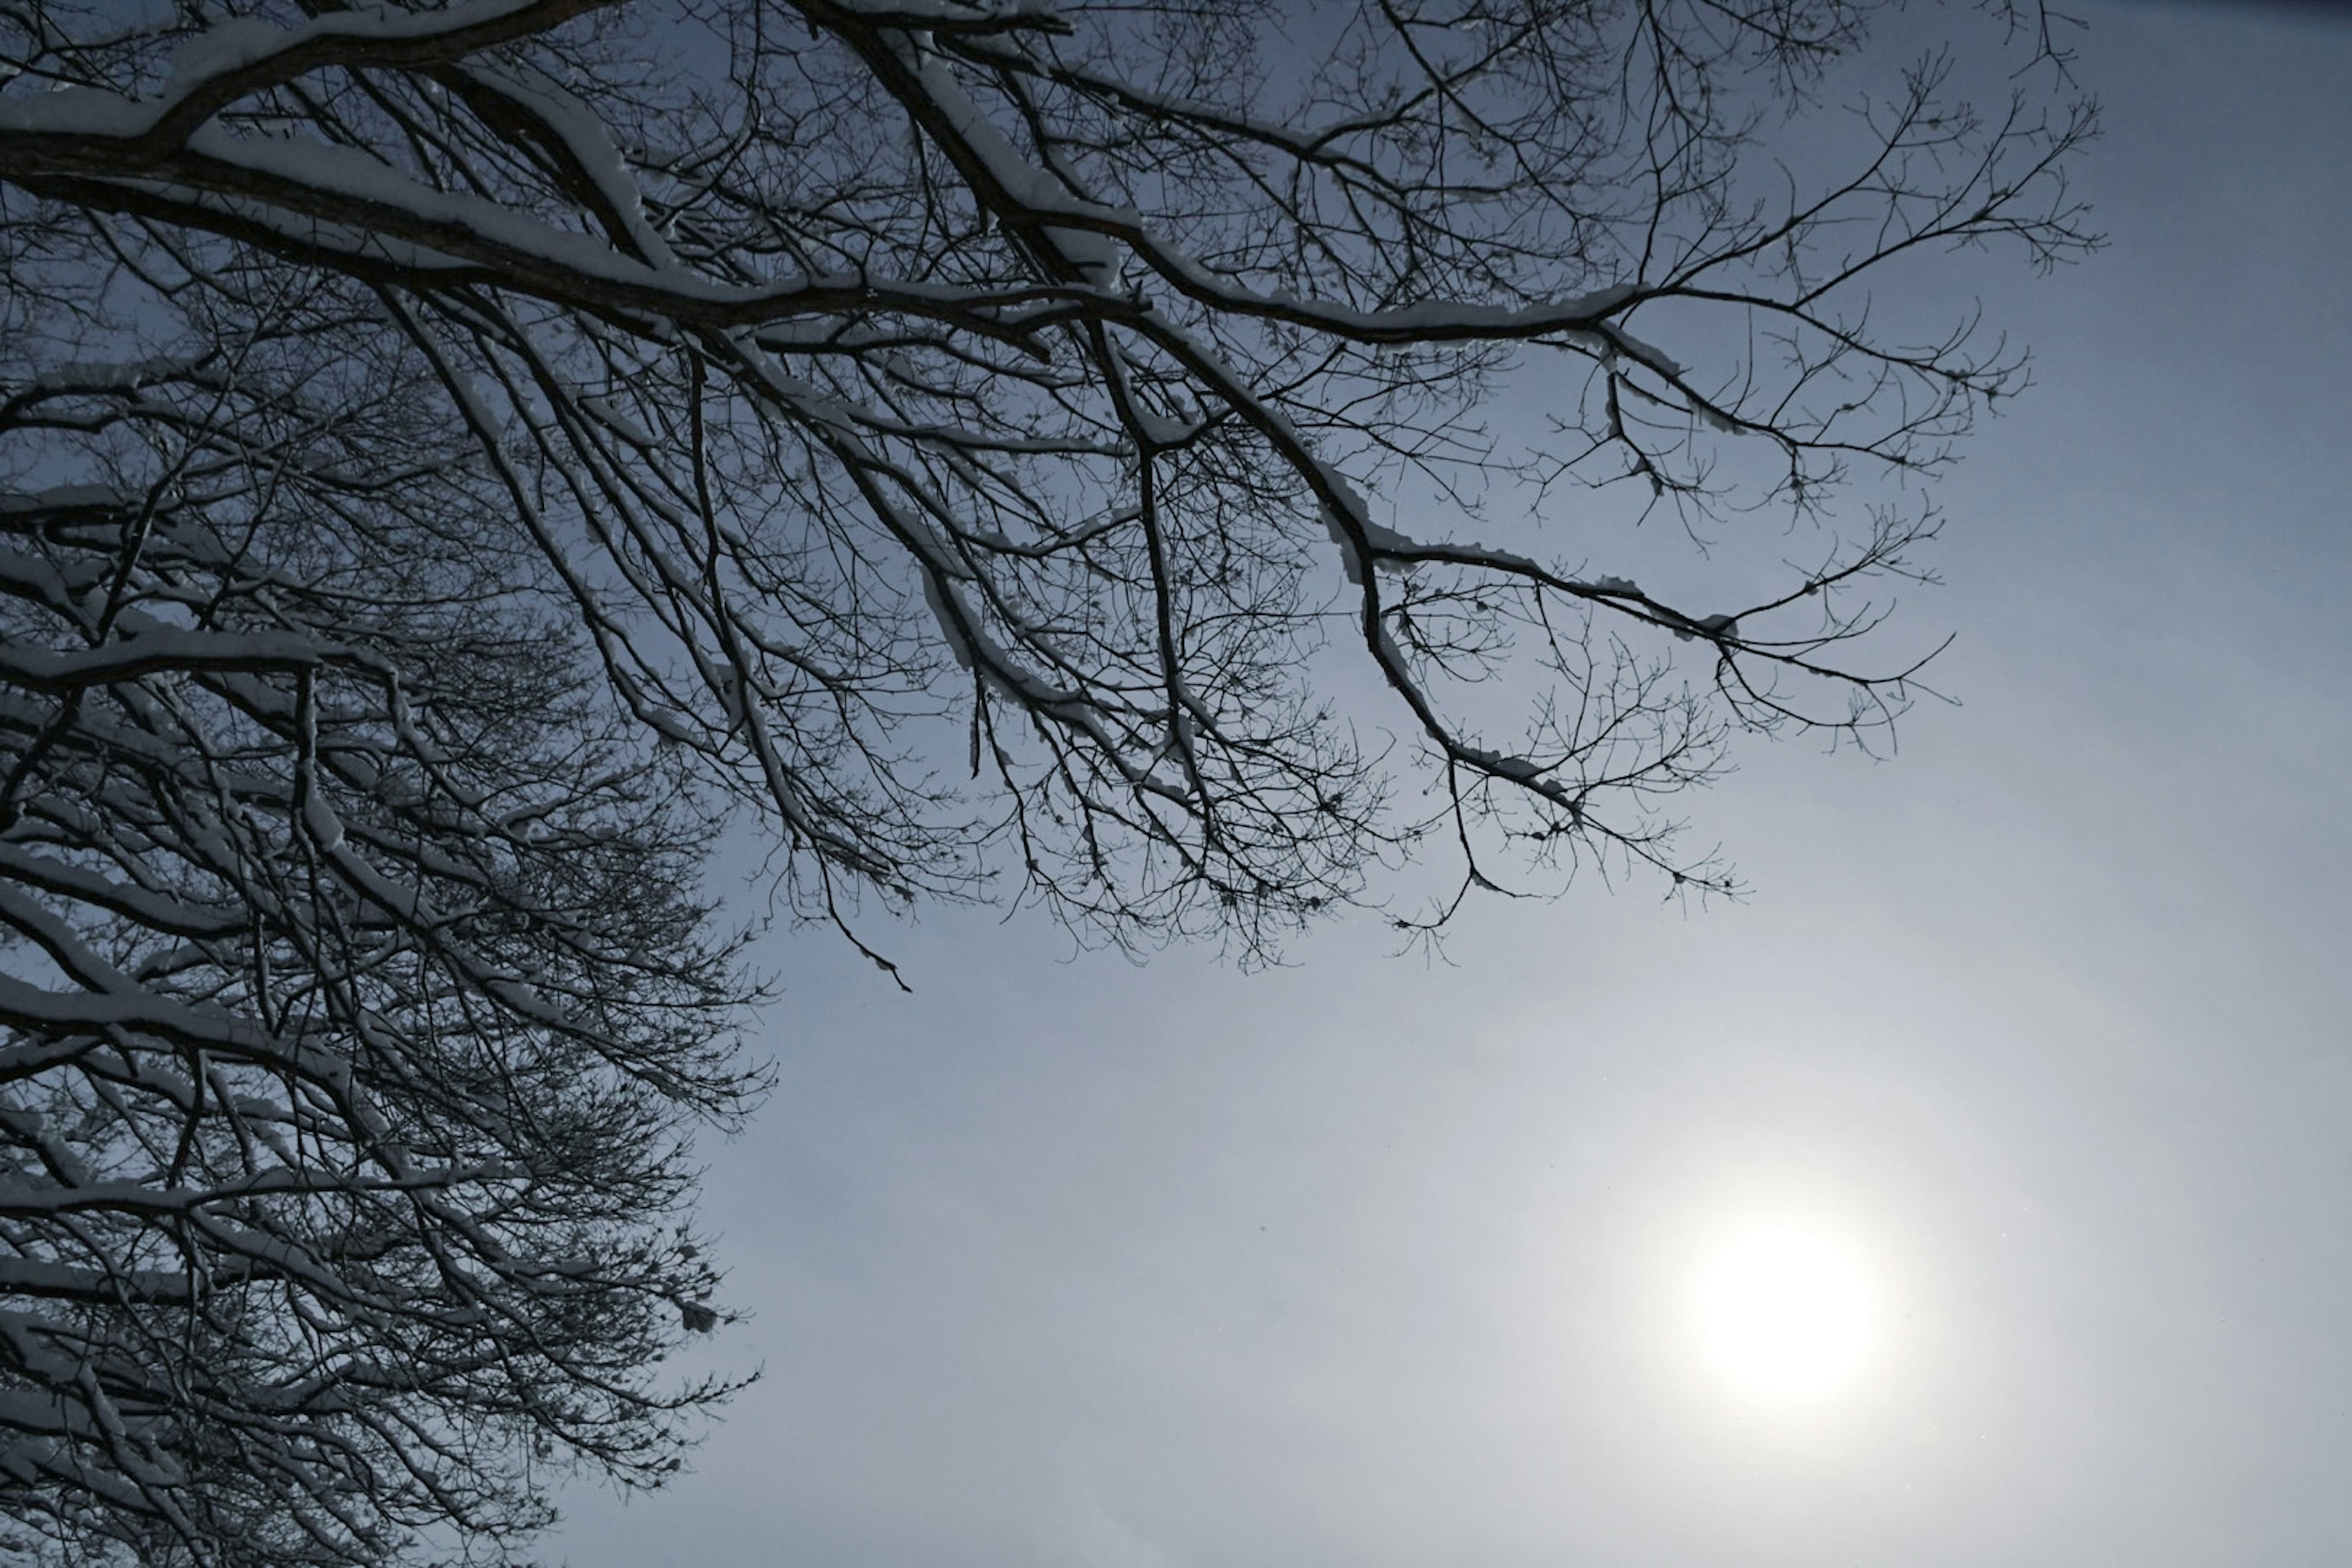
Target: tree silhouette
453, 456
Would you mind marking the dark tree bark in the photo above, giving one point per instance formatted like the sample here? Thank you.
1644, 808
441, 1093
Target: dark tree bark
449, 457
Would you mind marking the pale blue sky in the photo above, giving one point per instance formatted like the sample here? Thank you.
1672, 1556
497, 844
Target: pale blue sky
1076, 1265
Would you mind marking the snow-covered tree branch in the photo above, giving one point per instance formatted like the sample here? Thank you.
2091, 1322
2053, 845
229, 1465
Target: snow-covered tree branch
355, 989
449, 456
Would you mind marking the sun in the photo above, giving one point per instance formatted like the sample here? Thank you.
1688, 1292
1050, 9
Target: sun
1786, 1313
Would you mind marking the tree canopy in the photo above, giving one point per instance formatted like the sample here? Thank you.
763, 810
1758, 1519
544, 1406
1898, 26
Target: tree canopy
452, 457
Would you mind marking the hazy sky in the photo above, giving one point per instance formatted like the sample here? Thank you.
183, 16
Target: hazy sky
1069, 1264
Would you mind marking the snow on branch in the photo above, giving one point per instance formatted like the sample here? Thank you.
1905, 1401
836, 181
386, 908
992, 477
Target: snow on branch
454, 457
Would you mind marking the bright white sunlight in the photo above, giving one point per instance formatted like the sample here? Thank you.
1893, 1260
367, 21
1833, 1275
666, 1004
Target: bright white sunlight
1786, 1313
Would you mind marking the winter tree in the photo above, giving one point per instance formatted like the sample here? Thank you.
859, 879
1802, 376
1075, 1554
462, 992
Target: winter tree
454, 457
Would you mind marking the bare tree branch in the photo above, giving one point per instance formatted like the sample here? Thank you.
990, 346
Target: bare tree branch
451, 456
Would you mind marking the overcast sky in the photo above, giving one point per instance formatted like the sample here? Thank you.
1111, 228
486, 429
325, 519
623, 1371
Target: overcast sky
1069, 1264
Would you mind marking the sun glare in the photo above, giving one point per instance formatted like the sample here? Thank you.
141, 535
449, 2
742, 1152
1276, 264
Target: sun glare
1785, 1313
